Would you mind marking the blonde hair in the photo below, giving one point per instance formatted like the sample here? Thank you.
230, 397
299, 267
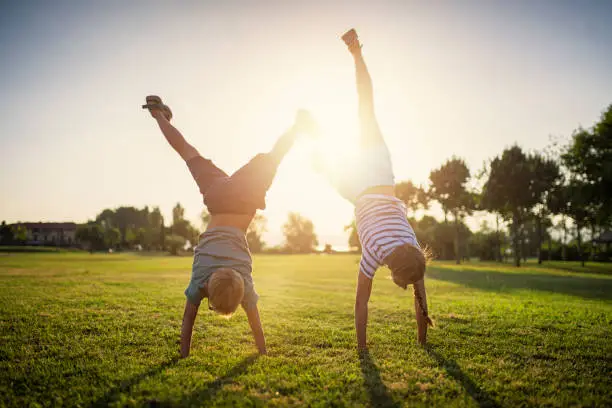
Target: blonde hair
225, 291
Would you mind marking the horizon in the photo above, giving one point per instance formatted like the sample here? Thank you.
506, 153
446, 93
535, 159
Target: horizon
465, 80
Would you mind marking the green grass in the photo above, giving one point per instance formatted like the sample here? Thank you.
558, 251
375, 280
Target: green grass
79, 329
25, 248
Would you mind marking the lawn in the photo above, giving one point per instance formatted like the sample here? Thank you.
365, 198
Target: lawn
82, 330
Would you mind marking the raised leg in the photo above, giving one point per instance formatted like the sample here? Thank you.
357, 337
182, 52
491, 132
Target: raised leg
369, 130
259, 173
162, 115
204, 172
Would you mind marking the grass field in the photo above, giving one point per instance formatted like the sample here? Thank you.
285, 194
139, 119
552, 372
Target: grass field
79, 329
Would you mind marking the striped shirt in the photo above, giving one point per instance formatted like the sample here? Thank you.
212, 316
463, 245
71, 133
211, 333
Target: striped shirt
382, 226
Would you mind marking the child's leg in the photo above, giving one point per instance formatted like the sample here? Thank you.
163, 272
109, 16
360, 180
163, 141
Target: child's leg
246, 190
173, 135
204, 172
369, 130
259, 173
282, 146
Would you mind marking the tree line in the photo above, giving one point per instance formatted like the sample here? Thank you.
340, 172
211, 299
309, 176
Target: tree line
525, 191
566, 188
129, 228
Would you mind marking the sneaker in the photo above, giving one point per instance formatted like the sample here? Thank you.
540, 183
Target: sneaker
152, 101
155, 102
167, 112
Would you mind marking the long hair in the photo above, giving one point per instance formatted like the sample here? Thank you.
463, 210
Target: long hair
420, 296
408, 264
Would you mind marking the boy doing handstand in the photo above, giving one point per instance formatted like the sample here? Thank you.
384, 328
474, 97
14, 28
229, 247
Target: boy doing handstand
385, 235
222, 264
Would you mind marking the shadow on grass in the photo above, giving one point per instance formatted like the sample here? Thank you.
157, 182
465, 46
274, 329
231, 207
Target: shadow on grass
601, 269
127, 385
379, 394
209, 390
583, 286
204, 394
482, 398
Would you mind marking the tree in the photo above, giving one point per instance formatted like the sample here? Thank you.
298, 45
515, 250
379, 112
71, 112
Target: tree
588, 158
143, 238
440, 237
574, 200
182, 227
448, 187
507, 191
155, 230
481, 204
130, 237
125, 219
299, 234
205, 218
6, 234
178, 213
546, 177
112, 237
92, 235
353, 240
485, 243
193, 236
175, 243
413, 196
20, 233
254, 234
162, 235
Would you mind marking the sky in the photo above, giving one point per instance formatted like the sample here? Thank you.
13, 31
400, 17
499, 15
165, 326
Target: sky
451, 78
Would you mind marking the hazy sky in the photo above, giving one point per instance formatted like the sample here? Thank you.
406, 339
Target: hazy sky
462, 78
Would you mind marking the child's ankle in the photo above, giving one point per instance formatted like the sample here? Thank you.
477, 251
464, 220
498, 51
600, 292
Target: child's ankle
355, 49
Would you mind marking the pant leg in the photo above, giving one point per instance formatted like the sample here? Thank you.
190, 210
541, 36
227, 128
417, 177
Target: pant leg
245, 191
204, 172
258, 173
255, 178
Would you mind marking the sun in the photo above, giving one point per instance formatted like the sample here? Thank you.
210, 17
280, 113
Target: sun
298, 187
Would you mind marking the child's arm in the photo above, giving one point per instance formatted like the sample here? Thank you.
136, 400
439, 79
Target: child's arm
174, 137
189, 316
258, 334
422, 321
364, 289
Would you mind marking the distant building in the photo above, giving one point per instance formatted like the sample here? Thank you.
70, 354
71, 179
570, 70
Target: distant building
50, 233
